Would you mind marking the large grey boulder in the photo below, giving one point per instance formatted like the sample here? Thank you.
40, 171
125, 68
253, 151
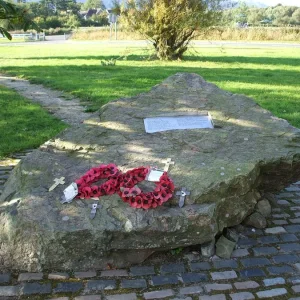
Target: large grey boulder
226, 169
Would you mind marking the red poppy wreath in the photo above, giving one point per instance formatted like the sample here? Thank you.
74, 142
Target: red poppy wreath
133, 195
111, 186
124, 184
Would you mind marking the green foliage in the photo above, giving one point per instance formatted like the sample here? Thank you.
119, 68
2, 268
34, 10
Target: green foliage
93, 4
65, 13
99, 19
73, 21
53, 22
55, 13
176, 251
14, 17
277, 15
169, 24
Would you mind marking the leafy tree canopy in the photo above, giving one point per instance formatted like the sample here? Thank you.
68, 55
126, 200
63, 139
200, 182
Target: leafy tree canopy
12, 17
93, 4
170, 24
278, 15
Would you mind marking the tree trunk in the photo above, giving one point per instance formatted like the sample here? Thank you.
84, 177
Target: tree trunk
166, 52
172, 47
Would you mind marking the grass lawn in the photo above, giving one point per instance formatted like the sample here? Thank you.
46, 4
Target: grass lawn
268, 75
23, 125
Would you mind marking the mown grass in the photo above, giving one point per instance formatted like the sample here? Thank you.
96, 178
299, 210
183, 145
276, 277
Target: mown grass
23, 125
269, 75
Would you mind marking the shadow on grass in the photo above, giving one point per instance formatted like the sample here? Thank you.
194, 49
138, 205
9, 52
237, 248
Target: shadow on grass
245, 60
192, 58
99, 85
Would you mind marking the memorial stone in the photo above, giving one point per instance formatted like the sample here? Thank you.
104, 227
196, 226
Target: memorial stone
248, 153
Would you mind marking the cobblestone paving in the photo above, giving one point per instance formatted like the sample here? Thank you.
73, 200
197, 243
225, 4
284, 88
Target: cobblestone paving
265, 265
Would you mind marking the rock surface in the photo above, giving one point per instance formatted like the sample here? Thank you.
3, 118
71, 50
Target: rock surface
226, 168
224, 247
263, 206
256, 220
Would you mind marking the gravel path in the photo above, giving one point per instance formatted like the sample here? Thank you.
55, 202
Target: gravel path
69, 111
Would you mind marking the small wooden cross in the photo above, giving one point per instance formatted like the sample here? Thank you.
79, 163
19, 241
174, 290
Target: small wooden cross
184, 192
167, 163
58, 181
94, 207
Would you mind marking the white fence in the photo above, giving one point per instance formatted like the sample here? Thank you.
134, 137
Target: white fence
27, 36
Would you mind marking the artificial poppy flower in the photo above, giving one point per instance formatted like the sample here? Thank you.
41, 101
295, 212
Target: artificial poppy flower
133, 202
158, 201
94, 172
139, 201
126, 199
95, 191
154, 204
140, 176
164, 177
109, 190
135, 191
156, 194
146, 204
115, 184
165, 196
112, 169
87, 178
167, 184
80, 182
148, 196
126, 192
86, 192
129, 183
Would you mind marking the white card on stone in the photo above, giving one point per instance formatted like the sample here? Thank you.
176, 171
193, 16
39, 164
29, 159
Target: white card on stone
157, 124
154, 175
71, 191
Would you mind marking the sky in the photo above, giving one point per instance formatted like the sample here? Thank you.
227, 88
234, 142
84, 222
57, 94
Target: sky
283, 2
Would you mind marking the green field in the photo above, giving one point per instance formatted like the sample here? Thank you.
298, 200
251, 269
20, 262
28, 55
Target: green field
268, 75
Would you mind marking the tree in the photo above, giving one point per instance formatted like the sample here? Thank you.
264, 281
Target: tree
93, 4
40, 9
255, 16
296, 16
12, 16
241, 13
170, 24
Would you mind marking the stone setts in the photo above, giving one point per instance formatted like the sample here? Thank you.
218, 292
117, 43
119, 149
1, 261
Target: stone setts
227, 169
